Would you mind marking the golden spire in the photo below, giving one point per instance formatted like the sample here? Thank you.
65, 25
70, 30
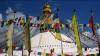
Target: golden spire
47, 9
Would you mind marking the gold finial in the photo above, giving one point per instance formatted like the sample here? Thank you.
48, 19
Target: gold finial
47, 9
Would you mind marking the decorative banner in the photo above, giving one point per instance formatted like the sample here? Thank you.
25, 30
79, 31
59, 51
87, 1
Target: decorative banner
91, 25
63, 26
51, 52
57, 30
76, 32
9, 39
1, 50
22, 21
27, 35
39, 53
81, 27
95, 54
44, 54
63, 54
58, 35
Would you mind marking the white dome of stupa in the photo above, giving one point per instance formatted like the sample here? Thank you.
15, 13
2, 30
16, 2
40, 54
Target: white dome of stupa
46, 41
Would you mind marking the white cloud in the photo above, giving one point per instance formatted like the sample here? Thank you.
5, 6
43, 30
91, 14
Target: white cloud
68, 21
0, 17
98, 31
9, 10
10, 14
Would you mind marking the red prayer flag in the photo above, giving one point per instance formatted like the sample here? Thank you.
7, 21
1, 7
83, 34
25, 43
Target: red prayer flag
57, 26
91, 25
1, 50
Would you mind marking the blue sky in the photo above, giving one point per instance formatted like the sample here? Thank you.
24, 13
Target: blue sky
34, 7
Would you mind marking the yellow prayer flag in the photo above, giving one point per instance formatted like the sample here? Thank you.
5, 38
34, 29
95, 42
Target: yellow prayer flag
27, 34
9, 39
76, 32
95, 54
44, 54
57, 29
62, 25
63, 54
58, 35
